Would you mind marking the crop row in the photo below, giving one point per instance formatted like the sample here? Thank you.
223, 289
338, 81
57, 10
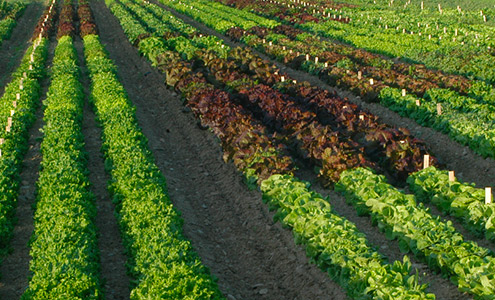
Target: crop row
394, 150
161, 259
358, 268
451, 42
459, 116
10, 12
416, 236
470, 266
461, 200
17, 114
64, 247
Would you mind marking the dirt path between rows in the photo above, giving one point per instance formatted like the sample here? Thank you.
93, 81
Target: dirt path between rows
15, 268
228, 225
442, 287
115, 281
12, 49
468, 166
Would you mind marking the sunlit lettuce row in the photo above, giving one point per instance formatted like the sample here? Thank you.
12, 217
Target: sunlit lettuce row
17, 114
161, 260
332, 242
470, 267
456, 198
64, 246
12, 13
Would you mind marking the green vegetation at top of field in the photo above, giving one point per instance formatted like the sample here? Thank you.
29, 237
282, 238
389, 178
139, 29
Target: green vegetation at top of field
428, 4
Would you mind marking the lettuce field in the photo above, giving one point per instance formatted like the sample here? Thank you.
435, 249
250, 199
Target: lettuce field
250, 149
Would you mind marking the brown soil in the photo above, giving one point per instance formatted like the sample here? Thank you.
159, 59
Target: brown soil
440, 286
228, 225
12, 49
115, 281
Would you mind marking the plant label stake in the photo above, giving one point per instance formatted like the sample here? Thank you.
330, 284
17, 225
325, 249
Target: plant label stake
307, 57
18, 96
361, 117
326, 64
451, 176
282, 78
9, 121
12, 112
316, 59
371, 81
14, 103
488, 195
439, 109
403, 92
426, 161
417, 102
30, 67
360, 75
422, 5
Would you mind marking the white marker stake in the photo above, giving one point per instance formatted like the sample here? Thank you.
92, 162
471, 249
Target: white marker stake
360, 75
426, 161
12, 112
282, 78
14, 104
371, 81
18, 96
488, 195
403, 92
316, 59
361, 117
326, 64
9, 121
307, 57
417, 102
439, 109
451, 176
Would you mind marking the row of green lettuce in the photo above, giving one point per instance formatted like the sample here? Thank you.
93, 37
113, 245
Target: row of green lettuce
410, 237
12, 12
332, 242
64, 250
13, 144
456, 58
474, 127
161, 260
456, 198
480, 219
463, 118
375, 29
398, 215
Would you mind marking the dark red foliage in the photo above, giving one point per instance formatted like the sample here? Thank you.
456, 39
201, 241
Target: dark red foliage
87, 23
66, 22
48, 25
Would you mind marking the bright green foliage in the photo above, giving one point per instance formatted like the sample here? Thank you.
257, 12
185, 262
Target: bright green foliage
470, 266
461, 200
161, 260
336, 245
64, 244
10, 12
473, 127
15, 141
